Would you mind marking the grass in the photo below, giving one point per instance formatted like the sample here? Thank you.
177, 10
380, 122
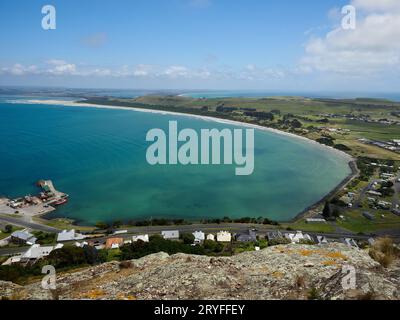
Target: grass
354, 221
310, 227
4, 235
63, 224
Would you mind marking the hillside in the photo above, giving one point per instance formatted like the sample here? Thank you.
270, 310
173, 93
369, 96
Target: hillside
281, 272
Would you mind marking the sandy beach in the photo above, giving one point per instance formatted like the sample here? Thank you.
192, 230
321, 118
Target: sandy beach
67, 103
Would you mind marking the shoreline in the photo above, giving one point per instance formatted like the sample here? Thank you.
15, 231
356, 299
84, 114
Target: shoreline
65, 103
351, 162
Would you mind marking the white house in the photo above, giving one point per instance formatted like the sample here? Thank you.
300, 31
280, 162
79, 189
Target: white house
211, 237
199, 236
142, 237
224, 236
37, 252
170, 235
12, 260
351, 243
322, 240
23, 237
120, 232
297, 237
70, 235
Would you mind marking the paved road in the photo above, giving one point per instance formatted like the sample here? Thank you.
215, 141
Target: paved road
212, 228
25, 224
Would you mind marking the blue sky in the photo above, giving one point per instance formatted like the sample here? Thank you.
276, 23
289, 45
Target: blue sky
196, 44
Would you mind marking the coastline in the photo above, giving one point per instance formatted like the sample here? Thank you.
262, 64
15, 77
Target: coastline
65, 103
350, 160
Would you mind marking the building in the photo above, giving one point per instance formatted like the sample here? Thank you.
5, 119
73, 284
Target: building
351, 243
120, 232
224, 236
143, 237
12, 260
273, 235
70, 235
368, 216
23, 237
249, 236
321, 240
170, 235
298, 237
199, 236
315, 220
114, 243
211, 237
37, 252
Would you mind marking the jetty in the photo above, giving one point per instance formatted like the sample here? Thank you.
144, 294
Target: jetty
29, 206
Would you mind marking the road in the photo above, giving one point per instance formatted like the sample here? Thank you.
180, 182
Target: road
25, 224
207, 228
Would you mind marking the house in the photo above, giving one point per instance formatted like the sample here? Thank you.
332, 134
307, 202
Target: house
351, 243
273, 235
211, 237
374, 193
37, 252
249, 236
120, 232
199, 236
315, 220
170, 235
114, 243
396, 212
368, 216
23, 237
12, 260
70, 235
224, 236
143, 237
298, 237
321, 240
81, 244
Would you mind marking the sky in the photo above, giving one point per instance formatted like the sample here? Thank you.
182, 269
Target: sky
202, 44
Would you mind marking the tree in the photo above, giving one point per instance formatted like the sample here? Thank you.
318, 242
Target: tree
187, 238
8, 228
296, 124
327, 212
102, 225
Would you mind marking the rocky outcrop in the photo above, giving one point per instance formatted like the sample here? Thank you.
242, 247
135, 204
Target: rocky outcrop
281, 272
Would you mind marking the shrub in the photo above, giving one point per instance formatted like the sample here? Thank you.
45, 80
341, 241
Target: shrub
384, 251
278, 241
314, 294
125, 265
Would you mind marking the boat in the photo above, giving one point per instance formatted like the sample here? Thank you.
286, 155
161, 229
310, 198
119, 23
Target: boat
61, 202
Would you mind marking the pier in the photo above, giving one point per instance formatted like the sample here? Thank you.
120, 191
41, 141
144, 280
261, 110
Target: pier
30, 206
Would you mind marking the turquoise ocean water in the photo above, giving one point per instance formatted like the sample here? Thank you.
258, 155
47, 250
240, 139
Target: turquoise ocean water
98, 157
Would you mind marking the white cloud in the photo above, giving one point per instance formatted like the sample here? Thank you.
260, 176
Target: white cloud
373, 47
377, 5
19, 70
177, 71
60, 67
